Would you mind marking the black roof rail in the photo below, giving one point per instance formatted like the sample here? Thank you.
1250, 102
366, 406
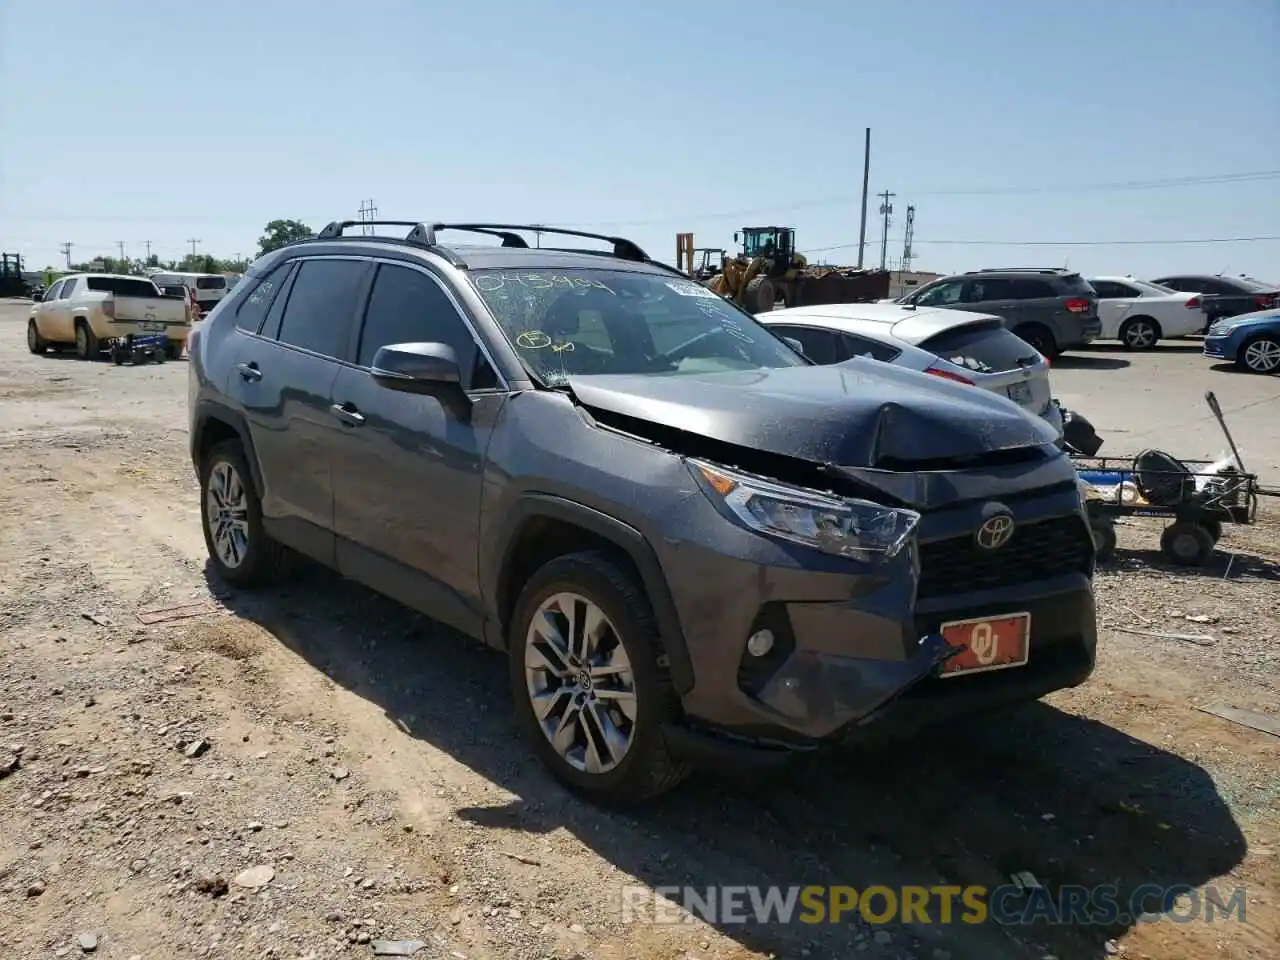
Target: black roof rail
623, 248
1022, 270
335, 229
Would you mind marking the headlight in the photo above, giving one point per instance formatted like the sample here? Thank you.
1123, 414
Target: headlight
857, 529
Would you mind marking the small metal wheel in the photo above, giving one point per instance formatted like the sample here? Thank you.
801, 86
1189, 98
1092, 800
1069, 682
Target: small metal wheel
1104, 537
1187, 544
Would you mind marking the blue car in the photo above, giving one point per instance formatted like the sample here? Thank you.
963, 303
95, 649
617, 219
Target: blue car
1251, 341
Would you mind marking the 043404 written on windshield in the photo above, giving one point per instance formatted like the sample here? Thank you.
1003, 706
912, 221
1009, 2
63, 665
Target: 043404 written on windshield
491, 282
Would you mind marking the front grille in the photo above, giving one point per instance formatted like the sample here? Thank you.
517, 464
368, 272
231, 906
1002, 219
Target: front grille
1037, 551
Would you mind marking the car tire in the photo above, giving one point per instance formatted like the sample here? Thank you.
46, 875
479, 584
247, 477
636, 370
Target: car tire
760, 295
1040, 337
35, 343
87, 346
173, 349
1260, 354
242, 553
1187, 544
560, 705
1139, 333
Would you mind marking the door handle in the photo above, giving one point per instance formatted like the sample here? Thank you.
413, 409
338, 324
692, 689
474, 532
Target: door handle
347, 414
249, 371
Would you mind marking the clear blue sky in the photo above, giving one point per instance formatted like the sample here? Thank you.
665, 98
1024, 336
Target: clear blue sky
162, 121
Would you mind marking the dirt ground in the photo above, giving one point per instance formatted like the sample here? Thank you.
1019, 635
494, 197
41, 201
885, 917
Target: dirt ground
307, 772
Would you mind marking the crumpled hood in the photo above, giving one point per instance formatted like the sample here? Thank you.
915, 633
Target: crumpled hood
860, 413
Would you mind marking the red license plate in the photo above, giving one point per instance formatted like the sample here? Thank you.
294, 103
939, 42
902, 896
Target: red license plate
987, 643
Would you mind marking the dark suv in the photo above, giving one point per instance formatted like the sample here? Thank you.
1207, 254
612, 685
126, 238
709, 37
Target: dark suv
694, 544
1050, 308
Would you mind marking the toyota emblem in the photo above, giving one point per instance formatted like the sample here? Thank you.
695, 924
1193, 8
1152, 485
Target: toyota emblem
995, 532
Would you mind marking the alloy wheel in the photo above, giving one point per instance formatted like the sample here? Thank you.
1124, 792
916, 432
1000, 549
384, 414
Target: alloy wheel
580, 683
1262, 356
226, 505
1140, 335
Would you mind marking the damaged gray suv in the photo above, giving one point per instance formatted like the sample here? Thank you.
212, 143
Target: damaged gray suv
692, 544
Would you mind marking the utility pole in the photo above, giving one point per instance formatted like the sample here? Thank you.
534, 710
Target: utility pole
120, 244
367, 212
66, 252
193, 241
866, 177
886, 208
908, 234
148, 243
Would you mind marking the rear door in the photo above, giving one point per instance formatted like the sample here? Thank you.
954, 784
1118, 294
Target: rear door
994, 359
284, 379
992, 295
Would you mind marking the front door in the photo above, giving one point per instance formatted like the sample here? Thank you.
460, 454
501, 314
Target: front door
284, 377
408, 474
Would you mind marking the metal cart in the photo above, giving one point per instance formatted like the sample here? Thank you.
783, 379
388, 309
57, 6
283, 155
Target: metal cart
138, 349
1199, 496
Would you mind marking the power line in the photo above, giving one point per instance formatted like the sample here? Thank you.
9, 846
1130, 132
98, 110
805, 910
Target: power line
1163, 241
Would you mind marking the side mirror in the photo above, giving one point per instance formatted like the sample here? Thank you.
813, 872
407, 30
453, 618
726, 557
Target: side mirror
426, 369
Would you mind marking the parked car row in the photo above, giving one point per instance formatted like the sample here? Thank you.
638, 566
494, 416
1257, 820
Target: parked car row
89, 311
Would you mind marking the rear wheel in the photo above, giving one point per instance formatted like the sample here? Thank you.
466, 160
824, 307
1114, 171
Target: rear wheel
35, 342
173, 349
87, 345
1139, 333
589, 693
1261, 354
760, 295
1104, 537
1040, 337
231, 516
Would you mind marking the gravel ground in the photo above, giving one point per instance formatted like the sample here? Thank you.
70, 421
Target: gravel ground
308, 772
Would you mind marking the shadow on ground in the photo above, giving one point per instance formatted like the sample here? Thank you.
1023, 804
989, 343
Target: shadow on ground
1070, 800
1089, 361
1225, 564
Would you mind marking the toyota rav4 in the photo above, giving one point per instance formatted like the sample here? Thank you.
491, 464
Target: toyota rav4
692, 543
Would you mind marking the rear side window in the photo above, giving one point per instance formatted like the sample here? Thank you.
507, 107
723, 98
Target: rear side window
863, 347
1072, 285
122, 286
322, 306
211, 283
989, 288
820, 346
1026, 288
1111, 290
981, 348
407, 306
253, 308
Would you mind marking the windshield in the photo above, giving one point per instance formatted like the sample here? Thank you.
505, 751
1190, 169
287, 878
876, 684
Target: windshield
566, 323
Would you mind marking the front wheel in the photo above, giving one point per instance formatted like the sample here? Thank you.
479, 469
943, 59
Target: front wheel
1187, 544
589, 693
173, 349
231, 516
1261, 354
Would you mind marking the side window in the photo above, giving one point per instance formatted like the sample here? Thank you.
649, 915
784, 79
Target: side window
253, 308
68, 288
1183, 285
322, 305
1110, 290
1024, 288
55, 291
942, 293
408, 306
1218, 287
862, 347
987, 289
820, 346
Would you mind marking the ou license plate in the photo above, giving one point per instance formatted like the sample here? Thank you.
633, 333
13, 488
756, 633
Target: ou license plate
987, 643
153, 327
1020, 393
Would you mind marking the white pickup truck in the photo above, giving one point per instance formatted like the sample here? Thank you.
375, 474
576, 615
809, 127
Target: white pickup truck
90, 309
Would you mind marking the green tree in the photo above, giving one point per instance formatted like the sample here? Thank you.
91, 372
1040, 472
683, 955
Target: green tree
279, 233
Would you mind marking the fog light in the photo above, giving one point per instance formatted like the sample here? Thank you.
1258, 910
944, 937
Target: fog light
760, 643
